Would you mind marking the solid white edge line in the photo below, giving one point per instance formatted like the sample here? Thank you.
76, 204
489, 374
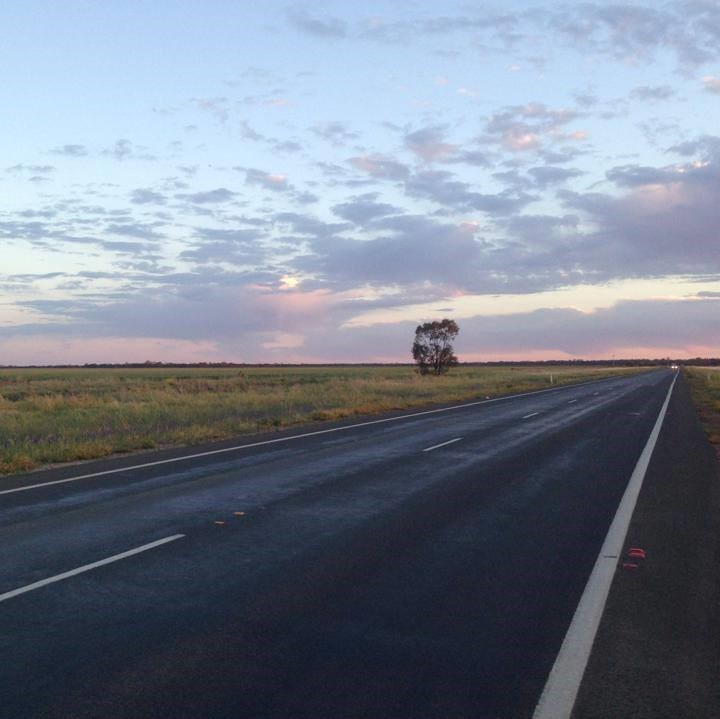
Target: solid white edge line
437, 446
87, 567
560, 692
298, 436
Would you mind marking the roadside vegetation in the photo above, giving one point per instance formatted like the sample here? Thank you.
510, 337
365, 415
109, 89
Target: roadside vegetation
705, 388
50, 416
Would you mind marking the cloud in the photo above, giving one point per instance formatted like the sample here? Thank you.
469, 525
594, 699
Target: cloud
666, 224
335, 132
707, 146
523, 127
409, 251
124, 149
428, 143
143, 196
242, 247
653, 93
287, 146
363, 209
654, 326
712, 84
440, 187
141, 231
308, 225
221, 194
380, 167
276, 183
327, 27
548, 175
34, 173
70, 151
218, 107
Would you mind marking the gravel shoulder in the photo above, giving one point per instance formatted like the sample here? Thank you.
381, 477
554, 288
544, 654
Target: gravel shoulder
657, 652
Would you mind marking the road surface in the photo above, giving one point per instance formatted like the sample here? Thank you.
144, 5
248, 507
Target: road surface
425, 566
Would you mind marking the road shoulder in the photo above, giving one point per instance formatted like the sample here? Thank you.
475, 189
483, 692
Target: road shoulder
657, 651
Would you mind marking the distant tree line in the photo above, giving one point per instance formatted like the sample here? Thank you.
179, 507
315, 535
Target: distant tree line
622, 362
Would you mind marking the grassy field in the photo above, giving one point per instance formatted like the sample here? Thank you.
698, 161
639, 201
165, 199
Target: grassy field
49, 416
705, 388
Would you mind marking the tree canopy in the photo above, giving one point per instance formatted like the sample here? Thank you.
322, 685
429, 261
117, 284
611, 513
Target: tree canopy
432, 348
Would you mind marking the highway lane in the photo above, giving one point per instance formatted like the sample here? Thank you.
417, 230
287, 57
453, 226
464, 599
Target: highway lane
424, 567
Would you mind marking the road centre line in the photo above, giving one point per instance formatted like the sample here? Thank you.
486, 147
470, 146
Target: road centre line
235, 448
87, 567
532, 414
443, 444
560, 692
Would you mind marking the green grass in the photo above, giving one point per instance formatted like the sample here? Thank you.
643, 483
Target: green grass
705, 389
50, 416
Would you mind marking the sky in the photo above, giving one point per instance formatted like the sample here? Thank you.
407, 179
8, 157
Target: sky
307, 181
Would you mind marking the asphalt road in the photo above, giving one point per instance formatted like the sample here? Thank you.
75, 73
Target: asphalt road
419, 567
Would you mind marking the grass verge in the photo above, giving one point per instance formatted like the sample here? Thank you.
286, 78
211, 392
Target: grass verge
51, 416
705, 389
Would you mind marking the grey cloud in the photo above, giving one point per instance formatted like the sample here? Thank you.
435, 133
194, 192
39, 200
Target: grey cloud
364, 209
470, 157
121, 150
143, 196
560, 155
38, 173
335, 132
648, 233
380, 167
636, 175
707, 146
221, 194
215, 106
45, 214
620, 28
124, 149
305, 198
541, 232
14, 230
276, 183
523, 127
548, 175
429, 143
71, 151
628, 31
232, 246
712, 84
327, 27
653, 93
441, 188
622, 31
644, 324
308, 225
414, 250
287, 146
141, 231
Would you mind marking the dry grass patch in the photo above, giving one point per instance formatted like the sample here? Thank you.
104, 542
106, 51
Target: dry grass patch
705, 390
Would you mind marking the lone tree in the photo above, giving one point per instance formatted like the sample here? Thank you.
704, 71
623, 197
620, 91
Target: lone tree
432, 348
